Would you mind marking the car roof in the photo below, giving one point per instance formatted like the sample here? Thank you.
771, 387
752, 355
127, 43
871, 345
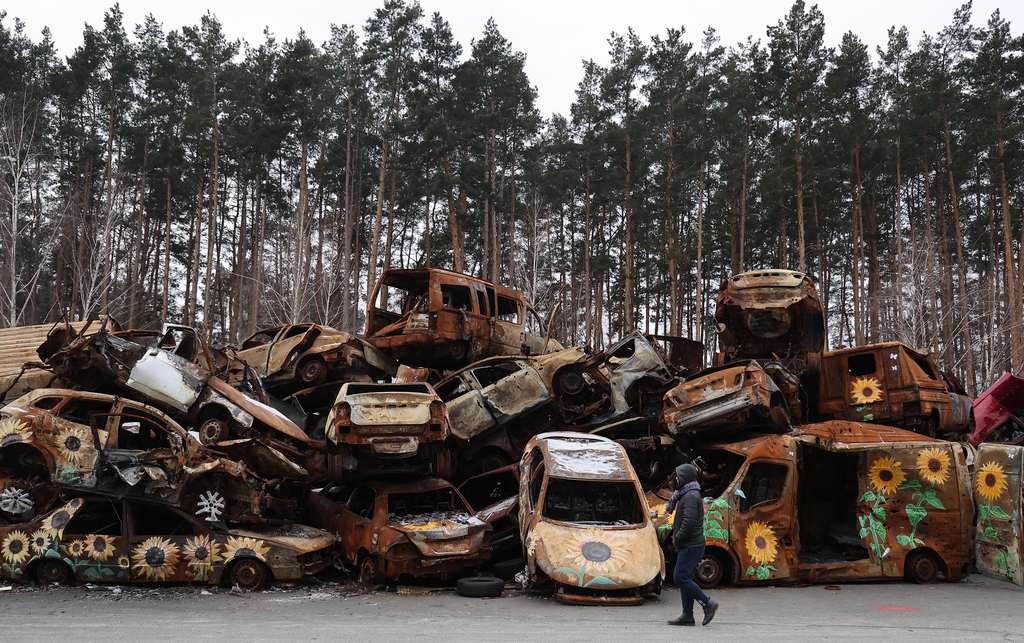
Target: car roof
584, 456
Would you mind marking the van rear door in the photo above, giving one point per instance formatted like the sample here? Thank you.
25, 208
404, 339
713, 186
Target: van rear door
997, 496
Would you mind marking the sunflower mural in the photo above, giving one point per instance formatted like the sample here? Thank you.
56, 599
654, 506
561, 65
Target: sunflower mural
201, 553
886, 476
713, 519
74, 448
595, 552
43, 540
933, 467
762, 548
991, 482
155, 559
13, 431
245, 548
15, 549
865, 390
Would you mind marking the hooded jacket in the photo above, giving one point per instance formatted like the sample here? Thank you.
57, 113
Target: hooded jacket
688, 525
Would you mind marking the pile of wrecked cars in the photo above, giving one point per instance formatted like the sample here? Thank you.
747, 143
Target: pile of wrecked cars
457, 437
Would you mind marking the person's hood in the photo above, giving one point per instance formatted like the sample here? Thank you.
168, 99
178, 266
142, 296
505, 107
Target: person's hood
686, 473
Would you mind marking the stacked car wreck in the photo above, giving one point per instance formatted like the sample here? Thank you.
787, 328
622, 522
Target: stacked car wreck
456, 435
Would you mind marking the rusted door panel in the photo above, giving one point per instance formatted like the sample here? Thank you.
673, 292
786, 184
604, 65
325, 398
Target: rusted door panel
997, 494
469, 415
764, 536
516, 394
867, 393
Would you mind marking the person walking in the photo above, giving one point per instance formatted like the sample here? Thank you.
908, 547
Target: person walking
688, 537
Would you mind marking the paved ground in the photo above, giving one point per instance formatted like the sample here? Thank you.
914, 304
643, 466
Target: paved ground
979, 609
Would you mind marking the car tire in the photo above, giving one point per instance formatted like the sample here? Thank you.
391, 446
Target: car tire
214, 429
248, 574
312, 370
507, 569
570, 381
922, 568
480, 587
710, 571
370, 571
52, 571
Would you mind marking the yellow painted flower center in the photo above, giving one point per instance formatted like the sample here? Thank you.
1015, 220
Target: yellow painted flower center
596, 552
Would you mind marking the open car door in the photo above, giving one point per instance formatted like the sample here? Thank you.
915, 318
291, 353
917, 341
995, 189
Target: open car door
997, 496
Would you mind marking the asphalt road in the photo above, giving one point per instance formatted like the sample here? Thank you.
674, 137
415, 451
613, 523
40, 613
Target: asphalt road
979, 609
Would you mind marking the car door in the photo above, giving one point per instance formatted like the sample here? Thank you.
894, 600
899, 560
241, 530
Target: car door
997, 496
762, 526
355, 521
141, 451
257, 348
95, 542
163, 545
75, 437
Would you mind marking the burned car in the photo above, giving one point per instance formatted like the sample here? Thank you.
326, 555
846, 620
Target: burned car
288, 358
893, 384
96, 443
422, 528
771, 315
387, 428
584, 522
736, 396
105, 540
999, 549
497, 405
173, 369
835, 501
496, 493
428, 317
999, 412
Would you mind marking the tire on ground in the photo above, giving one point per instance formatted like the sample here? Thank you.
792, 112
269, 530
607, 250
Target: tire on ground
480, 586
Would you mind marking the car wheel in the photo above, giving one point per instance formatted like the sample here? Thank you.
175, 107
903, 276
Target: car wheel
249, 574
493, 458
370, 572
52, 571
313, 370
710, 571
480, 586
570, 381
922, 568
928, 427
213, 430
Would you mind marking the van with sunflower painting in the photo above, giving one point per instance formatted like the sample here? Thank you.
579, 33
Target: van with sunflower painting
894, 384
997, 493
834, 501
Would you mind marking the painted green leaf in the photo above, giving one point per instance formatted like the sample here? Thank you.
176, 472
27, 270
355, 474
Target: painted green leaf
915, 514
864, 531
750, 571
935, 502
714, 514
983, 512
862, 519
879, 530
566, 570
911, 484
52, 553
763, 573
600, 580
719, 534
997, 512
990, 534
868, 496
904, 540
91, 574
879, 513
720, 503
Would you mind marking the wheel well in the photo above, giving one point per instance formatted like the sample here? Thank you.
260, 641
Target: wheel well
927, 551
214, 410
236, 561
729, 563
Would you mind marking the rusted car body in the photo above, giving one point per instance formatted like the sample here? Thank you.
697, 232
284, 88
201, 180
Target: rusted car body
434, 317
999, 412
288, 358
173, 369
96, 443
736, 396
835, 501
771, 315
105, 540
421, 528
387, 428
999, 549
498, 404
496, 493
584, 522
893, 384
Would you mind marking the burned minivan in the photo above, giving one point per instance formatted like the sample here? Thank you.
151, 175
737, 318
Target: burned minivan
835, 501
584, 522
429, 317
893, 384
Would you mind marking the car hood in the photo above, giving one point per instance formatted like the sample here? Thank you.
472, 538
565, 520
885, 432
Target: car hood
596, 558
456, 534
298, 537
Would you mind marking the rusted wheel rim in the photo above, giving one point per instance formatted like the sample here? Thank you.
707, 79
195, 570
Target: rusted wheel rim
52, 571
570, 381
213, 430
369, 573
923, 569
709, 571
248, 575
313, 370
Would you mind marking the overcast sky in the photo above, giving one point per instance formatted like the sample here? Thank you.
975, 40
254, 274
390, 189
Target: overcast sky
555, 35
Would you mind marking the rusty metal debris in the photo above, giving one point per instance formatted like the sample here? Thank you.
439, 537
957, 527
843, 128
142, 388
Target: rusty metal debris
999, 412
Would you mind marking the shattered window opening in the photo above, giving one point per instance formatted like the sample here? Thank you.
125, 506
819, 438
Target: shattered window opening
426, 506
861, 364
826, 506
509, 310
83, 411
493, 373
592, 502
362, 502
456, 297
148, 520
762, 485
99, 518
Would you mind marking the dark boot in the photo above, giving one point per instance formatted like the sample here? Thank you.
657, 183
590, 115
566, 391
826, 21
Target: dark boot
709, 611
686, 618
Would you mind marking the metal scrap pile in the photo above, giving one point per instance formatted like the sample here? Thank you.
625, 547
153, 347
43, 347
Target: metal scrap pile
167, 460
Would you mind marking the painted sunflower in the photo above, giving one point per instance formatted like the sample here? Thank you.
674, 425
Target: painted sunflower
886, 475
990, 480
201, 552
933, 464
99, 548
57, 521
75, 548
123, 562
762, 544
603, 552
43, 540
155, 558
15, 548
866, 390
72, 444
13, 431
245, 547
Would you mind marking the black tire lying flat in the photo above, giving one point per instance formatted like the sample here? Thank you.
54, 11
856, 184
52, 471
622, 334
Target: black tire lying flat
480, 586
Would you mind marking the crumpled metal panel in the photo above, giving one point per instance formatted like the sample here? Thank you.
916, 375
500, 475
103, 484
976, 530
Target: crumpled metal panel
725, 397
997, 495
